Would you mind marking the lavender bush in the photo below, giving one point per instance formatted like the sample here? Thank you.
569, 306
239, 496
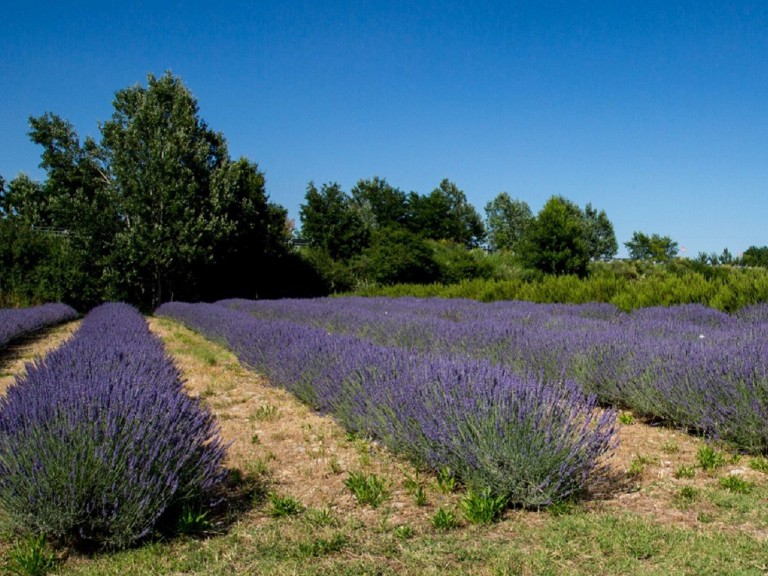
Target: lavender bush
688, 365
19, 322
530, 440
99, 440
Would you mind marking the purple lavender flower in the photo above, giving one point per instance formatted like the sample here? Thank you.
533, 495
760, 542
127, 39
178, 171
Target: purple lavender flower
98, 439
20, 322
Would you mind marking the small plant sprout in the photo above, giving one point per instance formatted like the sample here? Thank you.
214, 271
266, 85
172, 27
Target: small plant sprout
709, 458
759, 463
403, 532
193, 521
685, 472
282, 506
367, 488
444, 520
30, 557
446, 481
626, 418
482, 507
735, 483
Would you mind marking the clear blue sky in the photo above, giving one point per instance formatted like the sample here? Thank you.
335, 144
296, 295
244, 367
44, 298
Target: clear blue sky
656, 112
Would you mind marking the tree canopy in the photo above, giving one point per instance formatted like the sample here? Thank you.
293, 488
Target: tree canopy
556, 240
507, 221
154, 211
653, 247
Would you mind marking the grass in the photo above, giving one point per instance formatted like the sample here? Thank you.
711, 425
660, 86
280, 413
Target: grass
657, 522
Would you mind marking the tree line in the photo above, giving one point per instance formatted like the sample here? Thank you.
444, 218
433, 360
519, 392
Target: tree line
156, 210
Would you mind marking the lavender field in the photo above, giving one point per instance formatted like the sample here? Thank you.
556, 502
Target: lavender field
528, 438
688, 365
17, 323
505, 394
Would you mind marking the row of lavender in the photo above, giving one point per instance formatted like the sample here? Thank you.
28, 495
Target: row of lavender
688, 365
531, 440
98, 441
17, 323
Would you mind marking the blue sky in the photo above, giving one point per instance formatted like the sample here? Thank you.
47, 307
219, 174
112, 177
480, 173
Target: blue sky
656, 112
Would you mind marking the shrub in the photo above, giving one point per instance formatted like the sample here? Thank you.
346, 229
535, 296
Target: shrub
99, 440
19, 322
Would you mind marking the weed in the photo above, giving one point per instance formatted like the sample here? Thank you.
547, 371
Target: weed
333, 464
562, 508
685, 472
282, 506
322, 546
759, 463
626, 418
637, 466
709, 458
368, 489
482, 507
193, 521
255, 439
420, 496
737, 484
686, 495
30, 557
670, 447
404, 532
444, 520
415, 488
265, 413
320, 517
446, 481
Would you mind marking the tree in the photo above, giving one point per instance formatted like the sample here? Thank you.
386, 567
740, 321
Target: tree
600, 236
154, 211
506, 221
445, 214
330, 221
555, 241
396, 255
654, 247
74, 204
754, 256
162, 158
386, 204
251, 233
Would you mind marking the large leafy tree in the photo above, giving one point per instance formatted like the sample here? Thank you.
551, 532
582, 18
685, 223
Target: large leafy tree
156, 210
507, 220
600, 236
755, 256
445, 214
556, 240
386, 205
73, 208
654, 247
163, 159
330, 221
